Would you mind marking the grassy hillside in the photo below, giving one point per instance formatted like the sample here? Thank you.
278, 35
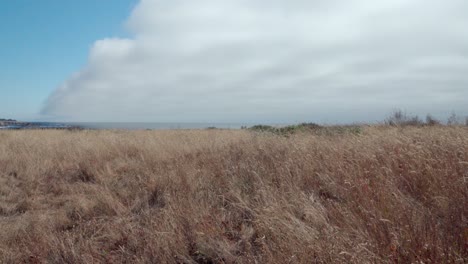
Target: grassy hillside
383, 195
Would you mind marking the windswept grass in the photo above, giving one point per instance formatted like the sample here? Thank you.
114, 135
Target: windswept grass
383, 195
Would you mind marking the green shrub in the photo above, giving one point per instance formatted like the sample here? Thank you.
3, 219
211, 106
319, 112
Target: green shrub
308, 128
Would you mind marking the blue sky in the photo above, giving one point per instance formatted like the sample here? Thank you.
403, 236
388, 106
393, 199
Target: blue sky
43, 42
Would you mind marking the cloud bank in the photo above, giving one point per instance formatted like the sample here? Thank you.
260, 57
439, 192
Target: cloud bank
274, 61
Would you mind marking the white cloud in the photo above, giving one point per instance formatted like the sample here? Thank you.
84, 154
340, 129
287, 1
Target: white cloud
255, 60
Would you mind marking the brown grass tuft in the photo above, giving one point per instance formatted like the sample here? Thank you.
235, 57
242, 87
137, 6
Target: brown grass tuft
384, 195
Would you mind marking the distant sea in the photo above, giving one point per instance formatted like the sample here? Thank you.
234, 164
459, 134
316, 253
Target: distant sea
142, 126
123, 125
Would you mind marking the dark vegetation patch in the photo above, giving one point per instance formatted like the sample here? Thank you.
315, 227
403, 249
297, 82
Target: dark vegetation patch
308, 128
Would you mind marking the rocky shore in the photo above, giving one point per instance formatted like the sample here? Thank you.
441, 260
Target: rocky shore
13, 124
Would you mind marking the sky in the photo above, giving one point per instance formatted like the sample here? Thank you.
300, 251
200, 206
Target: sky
233, 60
44, 42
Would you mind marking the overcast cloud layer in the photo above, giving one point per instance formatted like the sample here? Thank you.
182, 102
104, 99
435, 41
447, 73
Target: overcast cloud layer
274, 61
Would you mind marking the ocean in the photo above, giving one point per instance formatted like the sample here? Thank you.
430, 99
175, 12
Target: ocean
143, 126
122, 125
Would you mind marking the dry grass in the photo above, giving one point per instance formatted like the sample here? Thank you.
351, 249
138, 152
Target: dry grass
386, 195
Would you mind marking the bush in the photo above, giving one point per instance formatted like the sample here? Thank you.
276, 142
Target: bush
400, 118
453, 120
263, 128
431, 121
309, 128
311, 125
287, 130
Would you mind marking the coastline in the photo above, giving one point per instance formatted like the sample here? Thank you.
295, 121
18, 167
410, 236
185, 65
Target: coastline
18, 125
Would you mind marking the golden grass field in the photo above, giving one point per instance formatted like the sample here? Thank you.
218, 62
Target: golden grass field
385, 195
